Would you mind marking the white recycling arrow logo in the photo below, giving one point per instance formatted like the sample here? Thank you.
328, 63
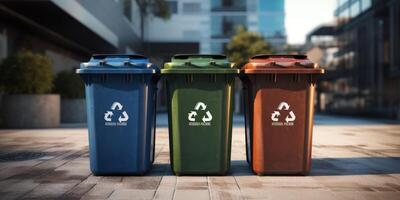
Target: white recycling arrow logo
207, 117
192, 115
289, 119
275, 115
108, 115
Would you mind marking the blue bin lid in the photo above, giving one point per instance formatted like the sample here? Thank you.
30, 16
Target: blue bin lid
118, 64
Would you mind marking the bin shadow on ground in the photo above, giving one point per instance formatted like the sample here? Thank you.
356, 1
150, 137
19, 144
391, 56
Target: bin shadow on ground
332, 120
355, 166
320, 167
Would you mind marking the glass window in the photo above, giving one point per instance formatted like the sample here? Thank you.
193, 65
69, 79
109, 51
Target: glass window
365, 4
355, 9
252, 6
191, 34
341, 2
191, 7
224, 26
218, 47
271, 5
228, 5
271, 26
173, 7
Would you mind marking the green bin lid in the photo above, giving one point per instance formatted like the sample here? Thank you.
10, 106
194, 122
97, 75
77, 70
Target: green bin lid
199, 64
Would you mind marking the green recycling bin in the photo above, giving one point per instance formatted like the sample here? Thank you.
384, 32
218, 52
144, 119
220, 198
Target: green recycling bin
200, 102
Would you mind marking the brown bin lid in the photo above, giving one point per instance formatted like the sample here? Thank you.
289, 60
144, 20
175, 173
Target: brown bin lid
281, 64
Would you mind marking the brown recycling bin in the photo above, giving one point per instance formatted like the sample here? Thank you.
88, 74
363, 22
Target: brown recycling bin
279, 98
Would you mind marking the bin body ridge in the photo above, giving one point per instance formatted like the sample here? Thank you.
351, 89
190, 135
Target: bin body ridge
200, 106
279, 114
121, 108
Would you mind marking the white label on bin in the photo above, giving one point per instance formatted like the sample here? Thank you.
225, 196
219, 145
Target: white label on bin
111, 120
206, 116
278, 120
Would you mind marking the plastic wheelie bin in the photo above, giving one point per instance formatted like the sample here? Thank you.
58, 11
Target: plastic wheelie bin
200, 100
120, 98
279, 98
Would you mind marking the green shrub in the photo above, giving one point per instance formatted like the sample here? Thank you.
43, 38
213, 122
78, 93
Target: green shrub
69, 85
26, 73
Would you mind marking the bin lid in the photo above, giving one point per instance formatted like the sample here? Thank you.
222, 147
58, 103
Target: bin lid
199, 64
281, 64
117, 64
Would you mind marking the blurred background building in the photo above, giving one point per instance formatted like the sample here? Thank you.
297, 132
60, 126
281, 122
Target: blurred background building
360, 49
362, 59
68, 32
198, 26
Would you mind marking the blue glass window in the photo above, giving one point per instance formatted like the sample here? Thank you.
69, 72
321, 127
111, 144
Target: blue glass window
271, 26
271, 5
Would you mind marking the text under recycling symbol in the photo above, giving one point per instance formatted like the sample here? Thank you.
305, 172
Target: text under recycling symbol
122, 118
289, 119
205, 119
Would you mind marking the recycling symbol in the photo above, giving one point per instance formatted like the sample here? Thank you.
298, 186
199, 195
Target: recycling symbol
193, 114
276, 114
108, 115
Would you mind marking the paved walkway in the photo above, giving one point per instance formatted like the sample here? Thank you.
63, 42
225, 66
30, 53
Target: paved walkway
353, 159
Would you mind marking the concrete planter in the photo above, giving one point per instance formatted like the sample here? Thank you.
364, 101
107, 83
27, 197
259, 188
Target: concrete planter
30, 111
73, 111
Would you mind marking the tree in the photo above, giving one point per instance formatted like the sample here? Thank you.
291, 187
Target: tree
158, 8
245, 44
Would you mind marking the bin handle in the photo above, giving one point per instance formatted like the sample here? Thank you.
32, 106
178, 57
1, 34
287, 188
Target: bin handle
125, 63
292, 64
201, 66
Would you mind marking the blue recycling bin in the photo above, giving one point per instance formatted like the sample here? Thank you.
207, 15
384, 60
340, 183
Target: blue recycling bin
121, 104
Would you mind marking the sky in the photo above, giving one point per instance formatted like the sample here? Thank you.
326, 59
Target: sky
302, 16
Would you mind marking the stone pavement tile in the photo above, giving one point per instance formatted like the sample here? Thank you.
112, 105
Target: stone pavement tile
17, 186
224, 187
226, 195
32, 173
365, 195
132, 194
374, 182
62, 175
223, 183
13, 171
164, 193
166, 189
289, 194
346, 186
50, 190
192, 195
10, 195
99, 192
301, 182
248, 182
14, 188
192, 183
92, 179
141, 182
254, 193
78, 191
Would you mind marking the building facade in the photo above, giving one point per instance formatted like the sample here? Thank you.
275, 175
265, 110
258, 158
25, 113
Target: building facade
211, 23
68, 32
366, 79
